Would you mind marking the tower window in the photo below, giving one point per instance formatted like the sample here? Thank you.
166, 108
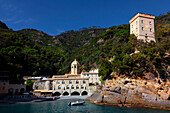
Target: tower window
63, 82
70, 82
150, 22
59, 87
136, 22
146, 38
136, 29
142, 28
77, 81
142, 21
150, 29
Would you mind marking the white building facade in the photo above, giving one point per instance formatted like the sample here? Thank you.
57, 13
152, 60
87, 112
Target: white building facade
93, 76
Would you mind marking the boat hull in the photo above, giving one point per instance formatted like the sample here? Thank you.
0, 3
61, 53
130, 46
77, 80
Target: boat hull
77, 103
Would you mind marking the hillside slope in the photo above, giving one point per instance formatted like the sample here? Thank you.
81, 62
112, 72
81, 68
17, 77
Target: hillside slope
33, 52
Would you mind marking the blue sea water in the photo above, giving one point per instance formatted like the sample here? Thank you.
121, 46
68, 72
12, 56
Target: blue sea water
62, 107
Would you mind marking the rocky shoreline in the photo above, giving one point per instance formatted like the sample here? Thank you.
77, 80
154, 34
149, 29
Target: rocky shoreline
133, 93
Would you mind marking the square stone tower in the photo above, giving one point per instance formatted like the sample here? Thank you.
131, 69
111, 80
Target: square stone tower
142, 25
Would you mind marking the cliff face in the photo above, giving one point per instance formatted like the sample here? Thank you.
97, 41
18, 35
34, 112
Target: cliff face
134, 93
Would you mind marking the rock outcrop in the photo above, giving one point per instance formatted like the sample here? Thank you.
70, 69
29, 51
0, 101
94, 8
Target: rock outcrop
135, 93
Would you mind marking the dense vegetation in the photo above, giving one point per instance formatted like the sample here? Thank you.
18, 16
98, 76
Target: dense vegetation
29, 52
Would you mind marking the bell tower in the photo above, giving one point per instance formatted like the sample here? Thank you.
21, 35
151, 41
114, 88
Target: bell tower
75, 67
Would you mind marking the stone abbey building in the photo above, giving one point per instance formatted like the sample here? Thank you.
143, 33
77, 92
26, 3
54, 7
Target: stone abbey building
142, 25
68, 84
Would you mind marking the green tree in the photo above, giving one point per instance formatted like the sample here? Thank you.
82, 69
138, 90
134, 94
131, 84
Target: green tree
105, 69
29, 84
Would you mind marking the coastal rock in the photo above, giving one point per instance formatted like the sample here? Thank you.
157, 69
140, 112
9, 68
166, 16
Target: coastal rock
99, 99
114, 98
144, 90
135, 93
134, 100
124, 90
93, 97
115, 89
148, 97
163, 95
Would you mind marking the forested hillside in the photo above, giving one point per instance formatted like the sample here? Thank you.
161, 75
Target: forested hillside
30, 52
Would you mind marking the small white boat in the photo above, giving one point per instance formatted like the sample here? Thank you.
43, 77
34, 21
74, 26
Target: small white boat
76, 103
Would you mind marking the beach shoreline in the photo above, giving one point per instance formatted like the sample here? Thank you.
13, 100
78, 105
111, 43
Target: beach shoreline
36, 100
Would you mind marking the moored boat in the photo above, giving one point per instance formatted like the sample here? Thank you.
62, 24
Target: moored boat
76, 103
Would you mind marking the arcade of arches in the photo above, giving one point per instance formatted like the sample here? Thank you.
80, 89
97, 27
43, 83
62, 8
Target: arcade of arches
74, 93
15, 89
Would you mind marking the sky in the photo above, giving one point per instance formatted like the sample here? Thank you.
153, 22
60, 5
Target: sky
56, 16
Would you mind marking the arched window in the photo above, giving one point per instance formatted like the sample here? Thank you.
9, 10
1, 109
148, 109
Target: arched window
70, 82
84, 81
72, 87
82, 86
63, 82
77, 81
59, 87
67, 87
77, 87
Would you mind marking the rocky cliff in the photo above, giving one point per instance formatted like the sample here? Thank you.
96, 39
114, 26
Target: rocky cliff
134, 93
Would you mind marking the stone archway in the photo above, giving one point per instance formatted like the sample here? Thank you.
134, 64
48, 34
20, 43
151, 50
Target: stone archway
11, 91
16, 91
75, 93
84, 93
56, 94
21, 90
65, 93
